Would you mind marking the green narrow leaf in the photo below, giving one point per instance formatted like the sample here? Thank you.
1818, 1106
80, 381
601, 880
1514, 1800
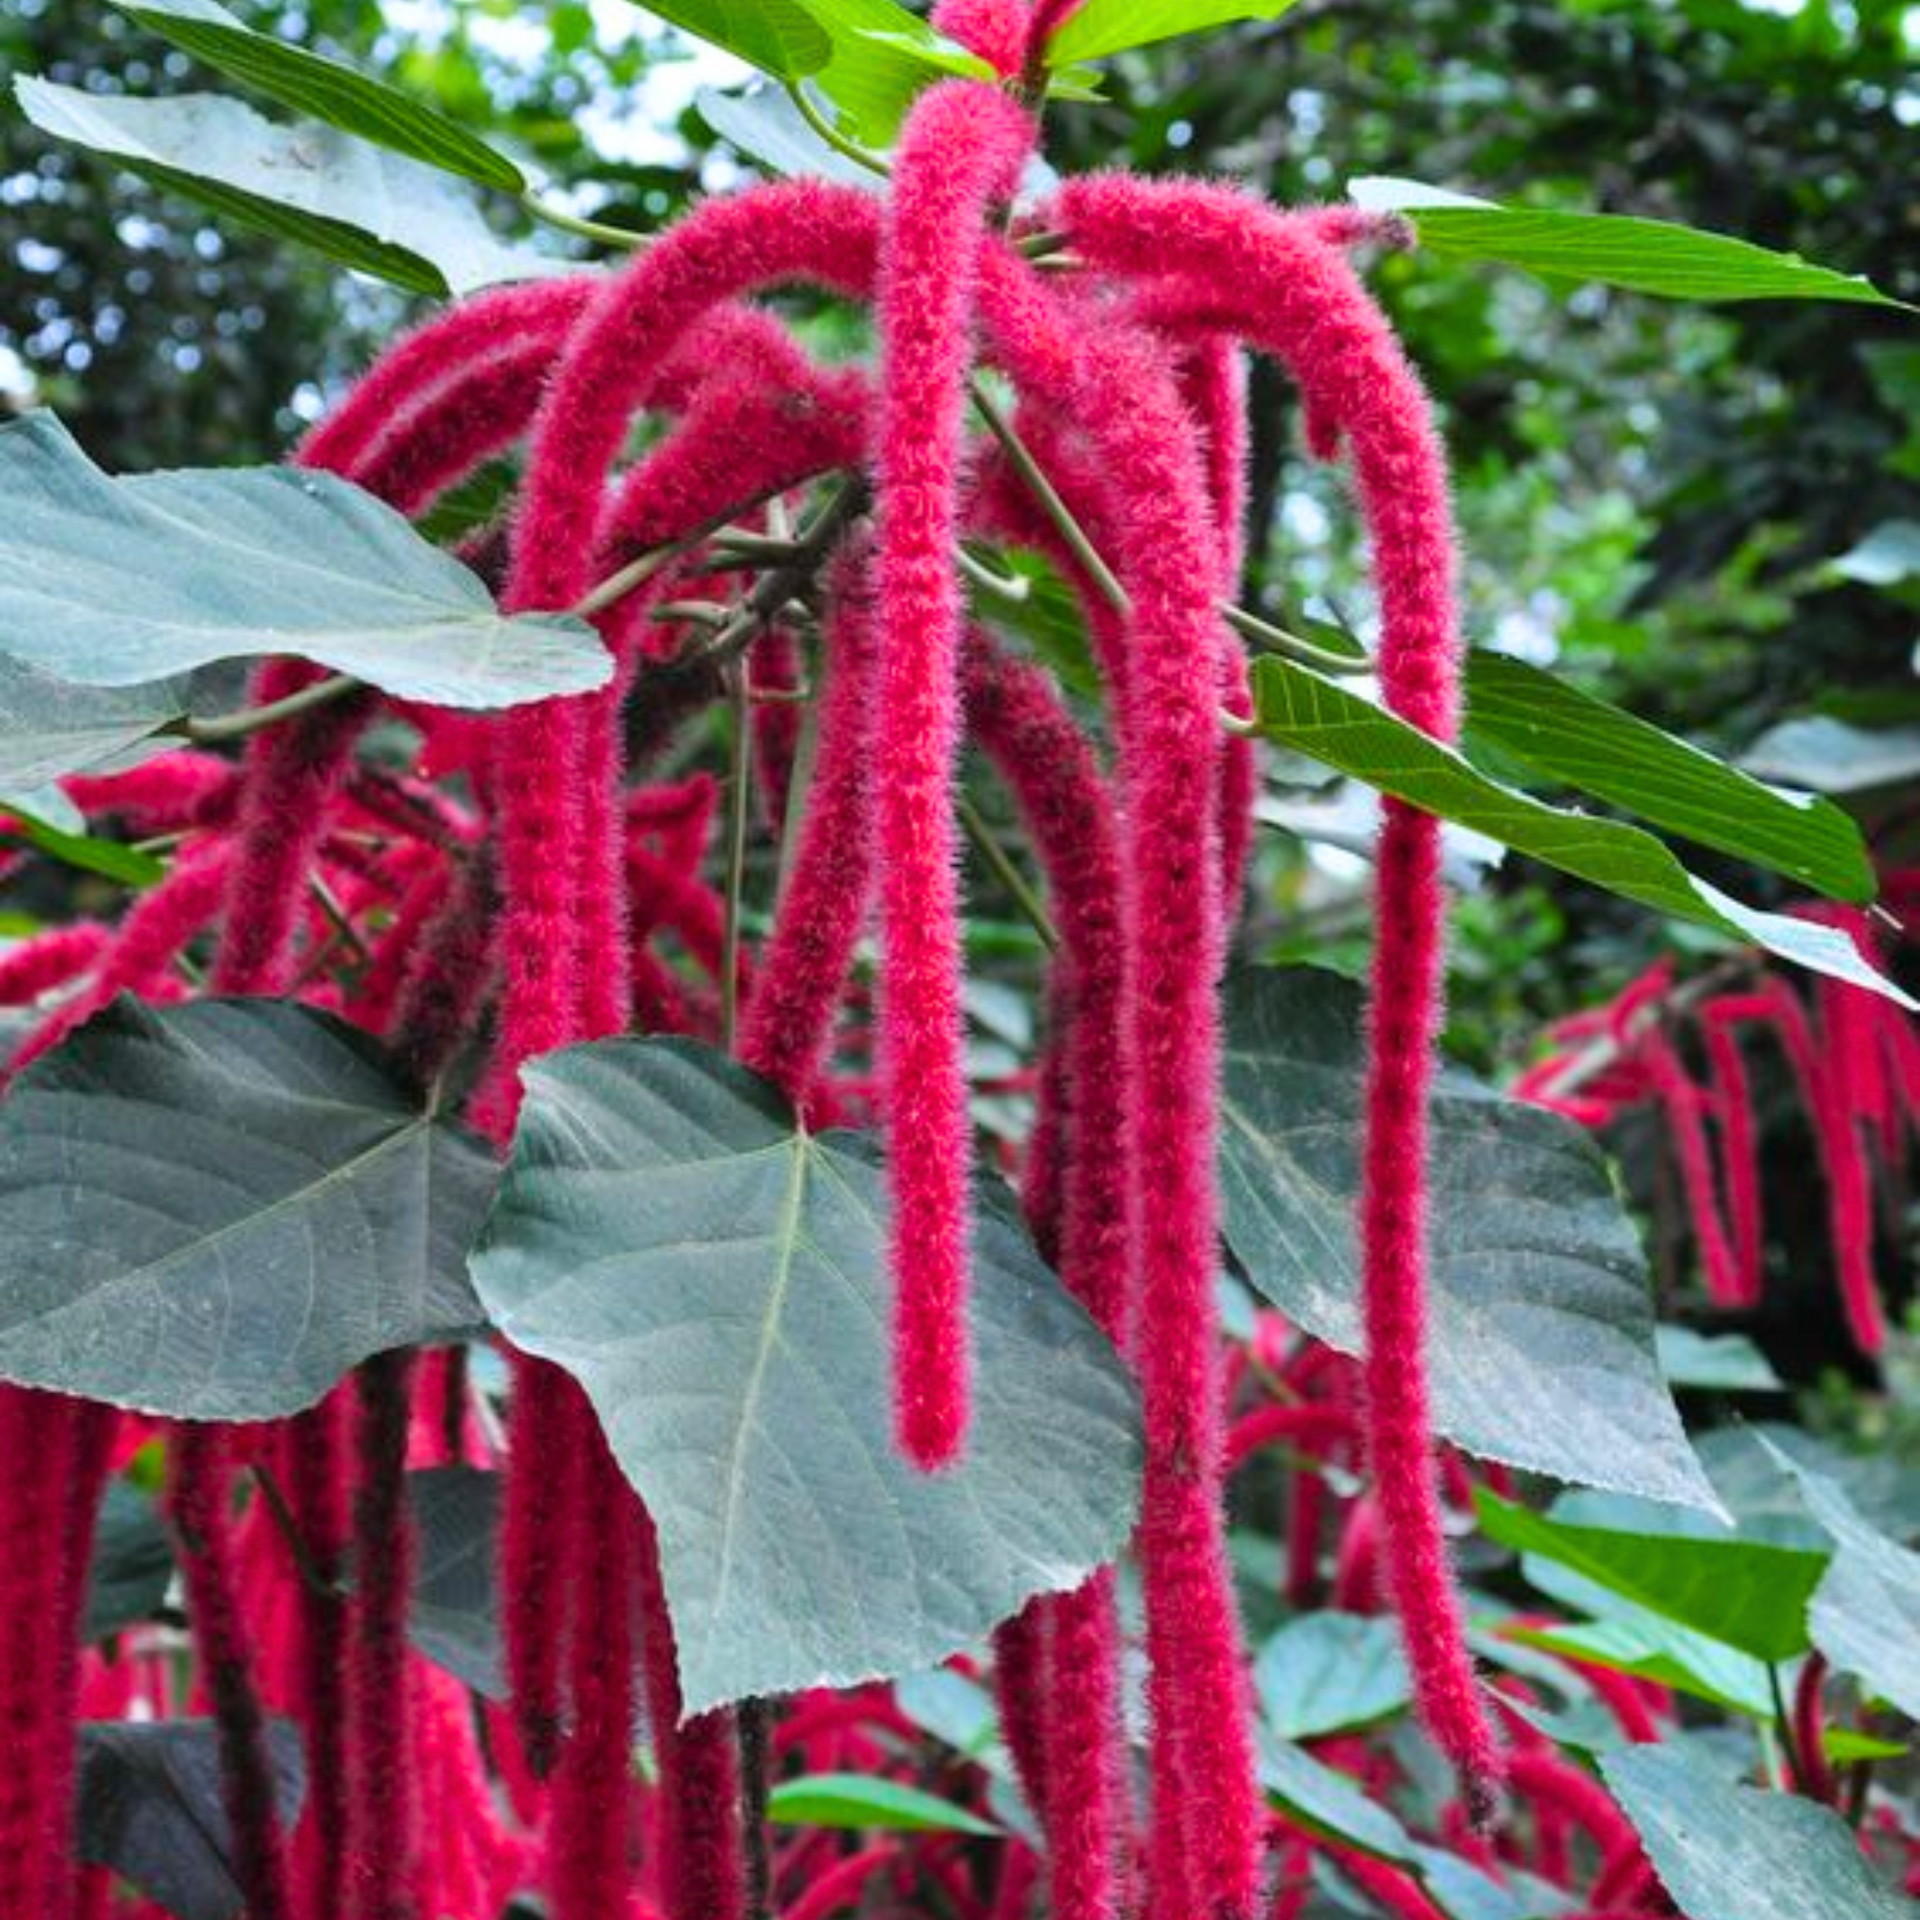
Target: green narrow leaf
1543, 1334
1644, 256
119, 582
780, 37
374, 211
1332, 724
1735, 1853
327, 89
1103, 27
883, 58
214, 1211
1597, 748
1751, 1595
108, 858
716, 1279
859, 1802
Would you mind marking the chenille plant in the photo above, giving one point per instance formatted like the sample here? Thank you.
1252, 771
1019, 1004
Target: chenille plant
752, 1460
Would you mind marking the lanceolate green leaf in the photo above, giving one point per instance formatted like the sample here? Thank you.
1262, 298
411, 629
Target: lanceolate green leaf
780, 37
1337, 726
1599, 749
1644, 256
715, 1278
214, 1211
119, 582
374, 211
861, 1801
1103, 27
1728, 1852
1748, 1594
327, 89
1543, 1334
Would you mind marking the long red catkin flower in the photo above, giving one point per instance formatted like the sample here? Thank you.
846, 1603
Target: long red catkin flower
196, 1503
1072, 1639
1684, 1105
1739, 1153
1206, 1856
1291, 294
803, 966
385, 1813
843, 1883
36, 1435
959, 153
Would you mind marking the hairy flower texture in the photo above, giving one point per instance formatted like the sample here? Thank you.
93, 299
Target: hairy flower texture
141, 952
1288, 293
549, 784
472, 334
446, 979
314, 1465
1542, 1778
386, 1831
48, 960
197, 1478
1049, 16
592, 1798
1739, 1153
1207, 1812
996, 30
164, 795
541, 1516
959, 153
1685, 1105
788, 1020
700, 1865
36, 1446
840, 1888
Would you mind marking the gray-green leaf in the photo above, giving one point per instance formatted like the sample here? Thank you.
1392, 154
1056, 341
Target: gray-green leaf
119, 582
715, 1278
1736, 1853
213, 1212
1300, 709
374, 211
50, 727
456, 1599
1542, 1331
1330, 1672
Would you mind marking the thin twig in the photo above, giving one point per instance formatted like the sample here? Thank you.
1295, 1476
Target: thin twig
1032, 908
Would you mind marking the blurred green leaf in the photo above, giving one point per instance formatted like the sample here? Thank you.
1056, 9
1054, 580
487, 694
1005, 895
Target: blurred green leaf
860, 1802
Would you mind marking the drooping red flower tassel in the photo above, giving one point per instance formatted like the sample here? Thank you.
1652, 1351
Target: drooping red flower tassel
960, 151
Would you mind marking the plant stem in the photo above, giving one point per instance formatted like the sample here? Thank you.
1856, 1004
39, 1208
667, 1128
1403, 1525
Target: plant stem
1008, 873
838, 141
229, 727
1015, 588
1034, 478
550, 215
738, 795
1273, 639
312, 1575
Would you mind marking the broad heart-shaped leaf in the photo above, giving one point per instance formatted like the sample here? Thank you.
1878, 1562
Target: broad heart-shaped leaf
327, 89
1300, 709
132, 1563
1729, 1852
1645, 256
456, 1599
1102, 27
374, 211
716, 1279
117, 582
1830, 756
1329, 1672
1542, 1329
151, 1808
50, 727
214, 1211
1751, 1595
1865, 1615
859, 1802
1325, 1801
1599, 749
